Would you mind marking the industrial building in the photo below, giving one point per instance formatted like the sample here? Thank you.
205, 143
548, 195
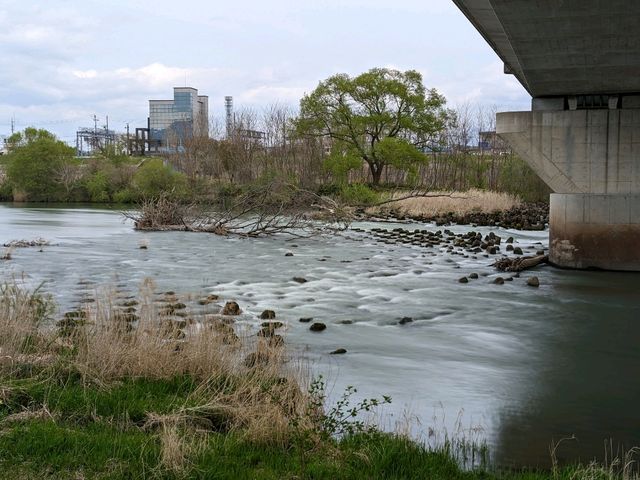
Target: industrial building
172, 122
238, 131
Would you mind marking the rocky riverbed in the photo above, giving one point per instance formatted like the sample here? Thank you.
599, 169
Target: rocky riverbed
527, 217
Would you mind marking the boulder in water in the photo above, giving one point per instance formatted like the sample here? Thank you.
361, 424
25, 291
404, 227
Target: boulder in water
533, 282
231, 308
268, 315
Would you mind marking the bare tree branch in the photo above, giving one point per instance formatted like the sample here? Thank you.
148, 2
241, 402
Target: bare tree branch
268, 208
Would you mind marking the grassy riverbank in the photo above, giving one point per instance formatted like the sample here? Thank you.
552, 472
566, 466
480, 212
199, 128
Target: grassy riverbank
125, 388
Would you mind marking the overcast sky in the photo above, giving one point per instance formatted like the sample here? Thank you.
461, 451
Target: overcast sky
65, 60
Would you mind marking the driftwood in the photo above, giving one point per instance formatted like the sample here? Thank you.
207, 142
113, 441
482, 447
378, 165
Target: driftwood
265, 208
518, 264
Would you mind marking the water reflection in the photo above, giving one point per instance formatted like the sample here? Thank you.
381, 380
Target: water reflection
583, 378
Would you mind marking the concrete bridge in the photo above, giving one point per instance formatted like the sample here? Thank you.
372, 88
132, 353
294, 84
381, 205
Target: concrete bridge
580, 61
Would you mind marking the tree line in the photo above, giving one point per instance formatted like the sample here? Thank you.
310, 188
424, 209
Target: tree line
350, 135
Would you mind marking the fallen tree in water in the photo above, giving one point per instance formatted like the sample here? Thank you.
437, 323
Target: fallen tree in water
265, 208
518, 264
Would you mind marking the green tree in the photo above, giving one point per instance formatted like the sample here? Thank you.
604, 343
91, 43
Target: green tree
35, 160
153, 178
382, 117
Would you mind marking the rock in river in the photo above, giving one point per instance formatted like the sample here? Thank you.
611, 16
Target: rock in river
231, 308
317, 327
268, 315
533, 282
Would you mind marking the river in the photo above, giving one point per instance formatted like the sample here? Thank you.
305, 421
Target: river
510, 364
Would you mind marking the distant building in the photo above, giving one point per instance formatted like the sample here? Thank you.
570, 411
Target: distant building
491, 142
172, 122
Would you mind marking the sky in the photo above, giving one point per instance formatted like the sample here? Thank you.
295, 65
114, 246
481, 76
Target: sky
63, 61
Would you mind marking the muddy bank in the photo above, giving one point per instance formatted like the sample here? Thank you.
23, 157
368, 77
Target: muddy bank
527, 216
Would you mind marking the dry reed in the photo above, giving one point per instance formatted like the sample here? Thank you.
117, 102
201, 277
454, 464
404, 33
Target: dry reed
105, 345
440, 203
617, 465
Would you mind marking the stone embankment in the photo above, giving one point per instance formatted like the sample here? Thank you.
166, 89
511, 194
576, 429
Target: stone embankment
527, 216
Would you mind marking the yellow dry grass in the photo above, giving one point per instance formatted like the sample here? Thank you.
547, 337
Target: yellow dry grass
256, 399
441, 203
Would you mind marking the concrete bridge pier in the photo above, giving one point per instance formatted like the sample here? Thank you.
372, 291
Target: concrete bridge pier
591, 158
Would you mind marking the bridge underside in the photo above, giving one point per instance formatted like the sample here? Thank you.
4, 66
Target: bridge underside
580, 61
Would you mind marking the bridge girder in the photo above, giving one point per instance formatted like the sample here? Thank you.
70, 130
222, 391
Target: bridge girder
563, 47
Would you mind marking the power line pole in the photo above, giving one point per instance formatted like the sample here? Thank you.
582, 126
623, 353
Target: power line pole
128, 149
13, 124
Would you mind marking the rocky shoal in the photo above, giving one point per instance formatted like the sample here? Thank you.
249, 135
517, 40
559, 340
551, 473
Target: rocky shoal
527, 216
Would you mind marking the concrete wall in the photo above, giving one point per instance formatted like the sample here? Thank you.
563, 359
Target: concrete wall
580, 151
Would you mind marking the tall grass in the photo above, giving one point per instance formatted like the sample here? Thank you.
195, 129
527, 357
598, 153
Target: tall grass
444, 202
22, 315
103, 345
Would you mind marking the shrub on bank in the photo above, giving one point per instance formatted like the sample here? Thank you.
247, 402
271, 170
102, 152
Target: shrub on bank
358, 194
153, 178
6, 192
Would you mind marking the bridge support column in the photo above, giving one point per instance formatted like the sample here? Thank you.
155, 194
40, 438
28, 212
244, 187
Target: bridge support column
595, 231
591, 158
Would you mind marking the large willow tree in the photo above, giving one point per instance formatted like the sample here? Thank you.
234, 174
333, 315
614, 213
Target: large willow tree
382, 117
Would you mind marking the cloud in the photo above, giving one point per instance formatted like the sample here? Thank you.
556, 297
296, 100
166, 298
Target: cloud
488, 85
52, 33
264, 95
66, 60
64, 98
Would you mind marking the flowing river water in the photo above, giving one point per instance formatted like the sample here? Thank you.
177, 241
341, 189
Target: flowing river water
513, 365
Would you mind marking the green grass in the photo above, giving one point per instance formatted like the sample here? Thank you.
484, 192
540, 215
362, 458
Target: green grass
44, 448
130, 399
97, 432
48, 449
90, 431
